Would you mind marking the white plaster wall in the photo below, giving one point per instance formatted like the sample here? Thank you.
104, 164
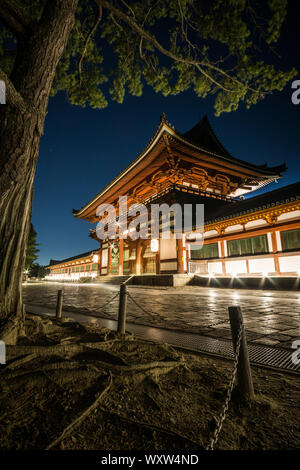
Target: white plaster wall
234, 228
255, 223
289, 216
210, 233
236, 266
289, 264
215, 267
261, 265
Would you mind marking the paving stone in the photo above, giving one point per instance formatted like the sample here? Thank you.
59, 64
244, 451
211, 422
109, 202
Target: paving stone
267, 315
266, 341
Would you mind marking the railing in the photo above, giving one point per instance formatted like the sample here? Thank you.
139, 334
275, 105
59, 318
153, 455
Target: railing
198, 267
241, 364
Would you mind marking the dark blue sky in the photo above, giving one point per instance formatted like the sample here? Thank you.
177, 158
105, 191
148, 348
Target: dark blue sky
83, 149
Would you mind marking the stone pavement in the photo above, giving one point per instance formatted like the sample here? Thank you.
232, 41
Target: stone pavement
270, 317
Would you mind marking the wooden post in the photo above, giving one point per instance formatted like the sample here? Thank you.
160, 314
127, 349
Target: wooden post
245, 384
138, 256
180, 267
121, 255
59, 304
122, 309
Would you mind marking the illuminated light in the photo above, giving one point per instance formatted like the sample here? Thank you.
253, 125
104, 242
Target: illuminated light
154, 245
234, 274
265, 274
298, 272
211, 274
95, 259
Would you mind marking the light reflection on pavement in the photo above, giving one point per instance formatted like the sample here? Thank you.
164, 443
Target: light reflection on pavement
270, 317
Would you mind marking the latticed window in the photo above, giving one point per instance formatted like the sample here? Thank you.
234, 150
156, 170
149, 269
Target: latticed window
206, 251
94, 267
248, 246
290, 240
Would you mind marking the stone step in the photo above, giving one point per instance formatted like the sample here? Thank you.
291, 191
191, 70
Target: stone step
116, 280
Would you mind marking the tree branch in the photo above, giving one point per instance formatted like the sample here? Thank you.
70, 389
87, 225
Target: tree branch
196, 63
14, 17
99, 17
13, 97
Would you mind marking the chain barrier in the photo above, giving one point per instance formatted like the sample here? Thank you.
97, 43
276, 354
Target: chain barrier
217, 323
107, 303
143, 309
152, 315
147, 312
223, 413
222, 416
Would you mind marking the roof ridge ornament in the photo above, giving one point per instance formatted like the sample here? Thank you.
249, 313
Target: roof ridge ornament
164, 118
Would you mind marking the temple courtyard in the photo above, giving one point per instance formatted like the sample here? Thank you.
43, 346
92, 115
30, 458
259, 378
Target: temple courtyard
270, 317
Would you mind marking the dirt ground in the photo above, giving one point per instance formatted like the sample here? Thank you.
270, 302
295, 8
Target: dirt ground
76, 386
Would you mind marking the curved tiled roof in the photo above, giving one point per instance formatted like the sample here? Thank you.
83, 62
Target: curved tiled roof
201, 138
53, 262
254, 204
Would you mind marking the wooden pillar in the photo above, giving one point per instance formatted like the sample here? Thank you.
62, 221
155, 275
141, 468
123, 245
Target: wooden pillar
180, 266
275, 250
138, 256
187, 251
109, 260
121, 255
247, 266
223, 256
100, 260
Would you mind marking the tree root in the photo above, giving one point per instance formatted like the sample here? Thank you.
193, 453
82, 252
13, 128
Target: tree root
55, 366
156, 367
80, 418
61, 348
19, 361
153, 427
10, 329
46, 350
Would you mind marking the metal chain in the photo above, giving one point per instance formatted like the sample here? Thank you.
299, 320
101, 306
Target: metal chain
108, 302
143, 309
228, 395
217, 323
163, 319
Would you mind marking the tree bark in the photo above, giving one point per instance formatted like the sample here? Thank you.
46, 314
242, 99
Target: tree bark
38, 54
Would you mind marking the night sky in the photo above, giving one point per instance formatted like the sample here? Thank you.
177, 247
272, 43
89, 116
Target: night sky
83, 149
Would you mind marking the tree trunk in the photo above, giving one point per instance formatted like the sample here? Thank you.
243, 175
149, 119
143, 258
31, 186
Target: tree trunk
37, 58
